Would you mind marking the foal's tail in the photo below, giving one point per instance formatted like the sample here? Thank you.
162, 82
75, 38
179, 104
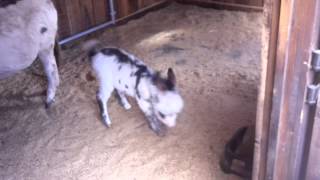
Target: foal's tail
92, 47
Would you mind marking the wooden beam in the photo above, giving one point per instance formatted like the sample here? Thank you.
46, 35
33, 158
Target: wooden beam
289, 117
101, 11
313, 164
216, 4
268, 57
63, 18
141, 12
312, 155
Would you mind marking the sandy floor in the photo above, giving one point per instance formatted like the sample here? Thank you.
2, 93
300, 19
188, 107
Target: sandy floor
215, 55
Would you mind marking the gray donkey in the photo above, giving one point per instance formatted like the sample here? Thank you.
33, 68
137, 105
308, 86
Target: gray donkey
28, 30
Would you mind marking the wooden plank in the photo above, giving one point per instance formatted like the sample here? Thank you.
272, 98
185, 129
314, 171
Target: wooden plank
126, 7
141, 3
80, 13
134, 6
74, 14
122, 8
311, 172
313, 166
87, 14
245, 2
147, 3
289, 118
222, 5
264, 105
63, 19
101, 11
279, 86
141, 12
233, 3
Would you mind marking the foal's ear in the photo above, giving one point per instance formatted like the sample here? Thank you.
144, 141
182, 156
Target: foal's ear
171, 76
159, 82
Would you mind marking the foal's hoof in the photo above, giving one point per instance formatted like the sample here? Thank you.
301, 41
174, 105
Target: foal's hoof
106, 121
162, 132
107, 125
48, 104
159, 129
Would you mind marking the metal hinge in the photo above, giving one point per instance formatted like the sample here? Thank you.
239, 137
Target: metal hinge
312, 94
313, 89
315, 60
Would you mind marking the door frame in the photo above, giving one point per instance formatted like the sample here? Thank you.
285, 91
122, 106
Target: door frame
290, 33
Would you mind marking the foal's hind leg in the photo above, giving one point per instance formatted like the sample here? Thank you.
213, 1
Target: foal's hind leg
103, 96
123, 100
49, 63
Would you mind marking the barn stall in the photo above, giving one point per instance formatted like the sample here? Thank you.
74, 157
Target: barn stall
215, 53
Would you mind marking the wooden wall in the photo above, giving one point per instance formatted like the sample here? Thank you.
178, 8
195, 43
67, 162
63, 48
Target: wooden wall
78, 15
255, 5
127, 7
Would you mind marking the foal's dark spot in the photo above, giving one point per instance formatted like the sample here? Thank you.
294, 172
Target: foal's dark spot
121, 57
119, 68
161, 83
155, 99
43, 30
119, 81
126, 86
90, 77
162, 115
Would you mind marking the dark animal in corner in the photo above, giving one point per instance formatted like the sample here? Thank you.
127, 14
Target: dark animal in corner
239, 148
28, 30
121, 71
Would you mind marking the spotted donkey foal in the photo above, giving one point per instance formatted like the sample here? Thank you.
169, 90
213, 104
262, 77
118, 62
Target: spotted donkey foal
118, 70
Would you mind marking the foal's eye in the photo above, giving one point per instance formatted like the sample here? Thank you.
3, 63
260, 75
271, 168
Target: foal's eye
162, 115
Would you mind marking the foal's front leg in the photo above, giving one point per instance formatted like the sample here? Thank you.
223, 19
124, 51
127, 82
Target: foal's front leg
153, 122
156, 125
50, 67
123, 100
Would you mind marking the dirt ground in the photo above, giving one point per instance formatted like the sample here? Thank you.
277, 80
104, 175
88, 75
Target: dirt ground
216, 57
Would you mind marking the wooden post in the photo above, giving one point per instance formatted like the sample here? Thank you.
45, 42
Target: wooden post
268, 57
290, 114
313, 164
